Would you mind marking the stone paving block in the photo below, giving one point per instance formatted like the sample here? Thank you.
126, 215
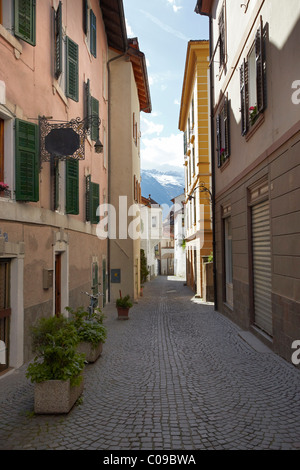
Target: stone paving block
178, 375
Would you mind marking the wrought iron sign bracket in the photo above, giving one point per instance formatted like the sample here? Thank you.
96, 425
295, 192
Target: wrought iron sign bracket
62, 140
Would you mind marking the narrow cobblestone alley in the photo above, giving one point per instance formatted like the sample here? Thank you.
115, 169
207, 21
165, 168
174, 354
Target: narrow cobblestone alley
177, 375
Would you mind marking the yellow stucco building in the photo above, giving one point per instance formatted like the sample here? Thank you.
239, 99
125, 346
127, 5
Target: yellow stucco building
194, 122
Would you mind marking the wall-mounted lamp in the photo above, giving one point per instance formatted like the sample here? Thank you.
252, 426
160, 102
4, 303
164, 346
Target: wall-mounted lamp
98, 146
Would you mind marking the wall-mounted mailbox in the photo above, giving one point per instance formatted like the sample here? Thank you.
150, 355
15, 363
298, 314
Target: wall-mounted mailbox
47, 278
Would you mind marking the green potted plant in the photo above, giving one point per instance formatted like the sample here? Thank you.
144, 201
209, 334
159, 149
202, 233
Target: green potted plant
91, 332
123, 305
57, 367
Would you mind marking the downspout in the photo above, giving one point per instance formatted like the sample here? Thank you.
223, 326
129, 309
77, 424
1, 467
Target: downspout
211, 52
109, 159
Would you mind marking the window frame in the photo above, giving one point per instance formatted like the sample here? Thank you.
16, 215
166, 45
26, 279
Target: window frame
222, 39
58, 41
250, 112
223, 132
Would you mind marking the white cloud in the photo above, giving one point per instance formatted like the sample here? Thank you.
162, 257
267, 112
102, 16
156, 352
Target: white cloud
164, 26
176, 8
161, 151
130, 32
148, 127
177, 102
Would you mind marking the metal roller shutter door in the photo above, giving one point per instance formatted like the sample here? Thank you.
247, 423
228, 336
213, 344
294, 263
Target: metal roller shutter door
262, 274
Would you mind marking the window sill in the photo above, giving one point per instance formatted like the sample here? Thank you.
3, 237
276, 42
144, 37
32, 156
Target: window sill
260, 120
11, 40
57, 89
225, 164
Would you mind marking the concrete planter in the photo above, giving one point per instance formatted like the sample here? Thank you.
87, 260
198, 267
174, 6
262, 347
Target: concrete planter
91, 353
55, 396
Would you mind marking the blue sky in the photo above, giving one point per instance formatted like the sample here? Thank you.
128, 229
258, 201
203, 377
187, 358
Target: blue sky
163, 29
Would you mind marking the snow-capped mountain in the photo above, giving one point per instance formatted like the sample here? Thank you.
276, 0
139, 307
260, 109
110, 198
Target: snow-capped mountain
162, 186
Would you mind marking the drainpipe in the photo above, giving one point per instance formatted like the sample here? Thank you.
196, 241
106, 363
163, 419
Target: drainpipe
213, 158
108, 160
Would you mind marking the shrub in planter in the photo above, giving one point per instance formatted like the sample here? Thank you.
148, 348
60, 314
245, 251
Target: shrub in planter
91, 332
57, 366
123, 305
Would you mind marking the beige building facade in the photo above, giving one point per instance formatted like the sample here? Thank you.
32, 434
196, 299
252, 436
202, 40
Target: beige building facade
130, 95
255, 87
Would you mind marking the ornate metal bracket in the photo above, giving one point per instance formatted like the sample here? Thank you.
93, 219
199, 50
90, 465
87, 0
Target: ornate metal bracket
62, 140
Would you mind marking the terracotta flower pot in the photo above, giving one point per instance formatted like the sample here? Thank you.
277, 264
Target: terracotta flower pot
123, 313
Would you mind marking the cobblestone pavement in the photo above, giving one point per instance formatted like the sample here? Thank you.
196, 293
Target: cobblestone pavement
175, 376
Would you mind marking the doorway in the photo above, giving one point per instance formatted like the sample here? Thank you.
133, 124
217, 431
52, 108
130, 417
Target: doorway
5, 313
58, 284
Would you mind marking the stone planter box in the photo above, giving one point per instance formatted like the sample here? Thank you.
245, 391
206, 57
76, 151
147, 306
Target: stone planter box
55, 396
91, 354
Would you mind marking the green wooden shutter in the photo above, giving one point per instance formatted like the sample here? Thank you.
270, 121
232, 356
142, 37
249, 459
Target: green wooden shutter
72, 70
226, 114
85, 16
25, 20
244, 96
58, 41
218, 132
95, 281
93, 33
88, 102
27, 164
72, 186
92, 201
95, 112
95, 193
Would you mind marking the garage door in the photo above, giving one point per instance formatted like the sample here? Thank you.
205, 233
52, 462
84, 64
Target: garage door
262, 273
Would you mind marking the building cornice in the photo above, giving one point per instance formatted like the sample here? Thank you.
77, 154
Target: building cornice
197, 52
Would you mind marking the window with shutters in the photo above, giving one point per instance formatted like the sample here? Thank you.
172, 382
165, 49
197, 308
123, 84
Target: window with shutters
92, 200
90, 27
72, 69
27, 161
92, 110
25, 20
253, 81
223, 133
222, 37
58, 38
72, 186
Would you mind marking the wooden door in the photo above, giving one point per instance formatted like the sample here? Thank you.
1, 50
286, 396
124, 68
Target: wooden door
5, 313
58, 284
1, 149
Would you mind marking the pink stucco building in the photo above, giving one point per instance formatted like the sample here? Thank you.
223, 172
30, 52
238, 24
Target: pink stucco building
53, 58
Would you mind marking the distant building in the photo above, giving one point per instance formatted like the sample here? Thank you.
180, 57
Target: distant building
179, 236
151, 234
167, 245
194, 122
255, 90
